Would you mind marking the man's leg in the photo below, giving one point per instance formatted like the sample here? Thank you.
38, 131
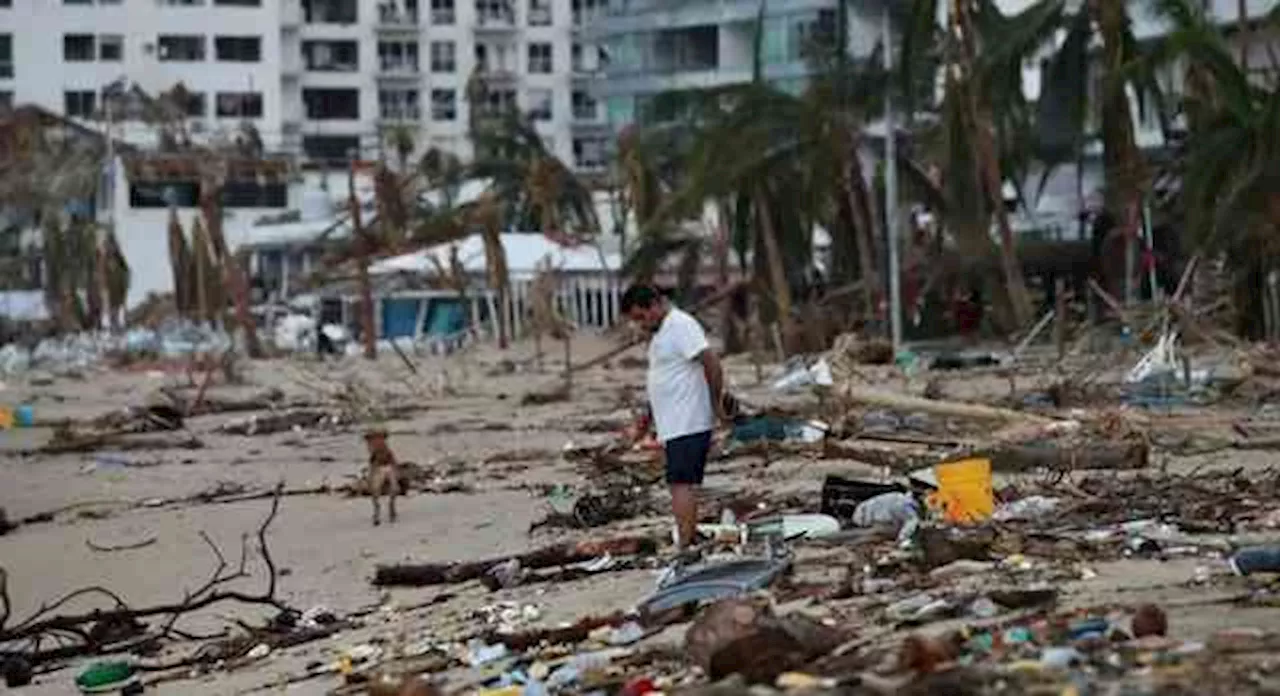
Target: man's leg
684, 506
686, 463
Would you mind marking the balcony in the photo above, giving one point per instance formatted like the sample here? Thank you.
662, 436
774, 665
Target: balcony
495, 17
539, 16
498, 74
400, 115
587, 114
396, 19
398, 70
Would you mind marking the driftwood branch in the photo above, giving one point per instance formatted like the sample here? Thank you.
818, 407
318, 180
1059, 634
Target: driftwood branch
420, 575
90, 633
109, 548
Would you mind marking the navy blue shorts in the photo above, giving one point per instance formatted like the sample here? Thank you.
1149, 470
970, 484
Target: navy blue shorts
687, 458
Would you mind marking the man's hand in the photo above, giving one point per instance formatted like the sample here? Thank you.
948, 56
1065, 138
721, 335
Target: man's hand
722, 414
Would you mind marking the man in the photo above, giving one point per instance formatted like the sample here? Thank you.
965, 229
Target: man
685, 386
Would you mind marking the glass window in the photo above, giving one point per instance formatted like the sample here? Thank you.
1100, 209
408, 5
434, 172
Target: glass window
540, 108
111, 48
444, 105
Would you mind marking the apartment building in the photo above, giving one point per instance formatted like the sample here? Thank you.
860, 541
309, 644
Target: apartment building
317, 78
658, 46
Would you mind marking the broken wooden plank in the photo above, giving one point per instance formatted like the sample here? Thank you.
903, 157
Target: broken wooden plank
1114, 456
1118, 456
946, 409
421, 575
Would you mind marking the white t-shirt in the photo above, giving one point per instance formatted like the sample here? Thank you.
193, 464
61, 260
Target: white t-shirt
678, 392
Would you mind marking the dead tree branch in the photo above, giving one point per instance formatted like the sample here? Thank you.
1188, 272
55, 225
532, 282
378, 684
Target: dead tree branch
90, 633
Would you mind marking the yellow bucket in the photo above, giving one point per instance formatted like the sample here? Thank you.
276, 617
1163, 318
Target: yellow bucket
964, 490
6, 418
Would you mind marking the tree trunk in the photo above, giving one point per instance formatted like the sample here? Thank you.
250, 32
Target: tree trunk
860, 203
979, 115
777, 266
368, 329
728, 332
232, 271
504, 340
1242, 13
1124, 166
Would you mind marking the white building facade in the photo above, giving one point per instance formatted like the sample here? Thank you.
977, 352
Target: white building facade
317, 78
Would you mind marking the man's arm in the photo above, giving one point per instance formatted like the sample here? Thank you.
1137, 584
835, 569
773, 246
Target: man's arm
715, 380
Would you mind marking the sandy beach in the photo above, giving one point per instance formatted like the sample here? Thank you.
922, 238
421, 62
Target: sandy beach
470, 430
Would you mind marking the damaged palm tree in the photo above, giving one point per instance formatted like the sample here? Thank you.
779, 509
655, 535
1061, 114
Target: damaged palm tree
208, 274
180, 264
487, 214
213, 179
50, 171
118, 275
548, 320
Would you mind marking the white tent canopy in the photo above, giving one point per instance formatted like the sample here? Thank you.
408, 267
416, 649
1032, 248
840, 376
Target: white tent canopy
525, 251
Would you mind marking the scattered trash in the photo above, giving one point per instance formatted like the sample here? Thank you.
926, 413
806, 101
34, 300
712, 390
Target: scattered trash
771, 428
799, 376
1257, 559
107, 676
964, 490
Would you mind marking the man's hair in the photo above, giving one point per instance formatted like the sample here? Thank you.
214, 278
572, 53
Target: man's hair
640, 296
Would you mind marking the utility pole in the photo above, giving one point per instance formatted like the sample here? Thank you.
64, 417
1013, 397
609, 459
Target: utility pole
891, 190
367, 326
109, 199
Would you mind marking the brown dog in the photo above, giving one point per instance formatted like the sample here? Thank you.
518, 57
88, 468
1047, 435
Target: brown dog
383, 474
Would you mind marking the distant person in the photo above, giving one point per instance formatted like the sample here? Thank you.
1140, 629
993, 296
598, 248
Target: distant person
685, 386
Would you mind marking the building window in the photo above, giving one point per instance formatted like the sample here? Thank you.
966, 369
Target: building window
196, 106
111, 48
181, 48
331, 56
239, 105
399, 104
330, 148
589, 153
5, 4
540, 104
398, 56
251, 194
390, 13
180, 194
495, 12
444, 57
585, 106
442, 12
78, 48
585, 12
332, 104
238, 49
540, 59
444, 105
539, 13
6, 55
330, 11
79, 103
6, 100
498, 102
